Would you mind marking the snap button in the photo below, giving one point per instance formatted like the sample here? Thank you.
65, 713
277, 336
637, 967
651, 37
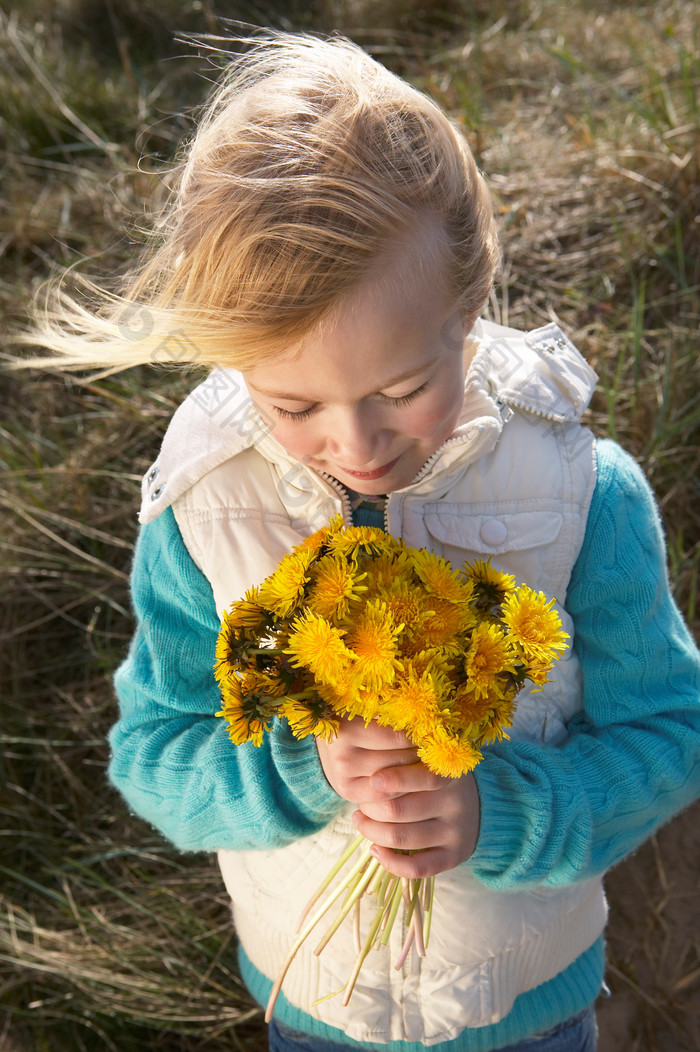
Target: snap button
152, 474
155, 494
493, 532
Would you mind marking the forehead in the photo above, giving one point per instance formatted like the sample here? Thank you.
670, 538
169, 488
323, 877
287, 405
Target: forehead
393, 326
395, 321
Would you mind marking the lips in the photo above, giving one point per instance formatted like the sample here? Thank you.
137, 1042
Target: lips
367, 476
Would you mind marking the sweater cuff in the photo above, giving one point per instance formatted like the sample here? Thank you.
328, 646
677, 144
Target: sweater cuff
498, 829
299, 766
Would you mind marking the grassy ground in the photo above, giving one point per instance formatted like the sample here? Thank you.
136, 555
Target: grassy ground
585, 115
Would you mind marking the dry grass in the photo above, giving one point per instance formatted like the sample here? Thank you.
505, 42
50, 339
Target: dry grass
586, 117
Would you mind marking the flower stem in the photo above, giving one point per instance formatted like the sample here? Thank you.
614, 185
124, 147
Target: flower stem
350, 902
387, 898
306, 931
356, 926
368, 944
418, 925
428, 896
394, 904
414, 921
408, 941
349, 851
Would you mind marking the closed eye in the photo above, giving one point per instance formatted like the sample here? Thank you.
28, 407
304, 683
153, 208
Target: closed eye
304, 414
287, 414
407, 398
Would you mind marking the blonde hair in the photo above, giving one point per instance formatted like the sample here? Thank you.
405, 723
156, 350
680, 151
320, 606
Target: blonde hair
309, 160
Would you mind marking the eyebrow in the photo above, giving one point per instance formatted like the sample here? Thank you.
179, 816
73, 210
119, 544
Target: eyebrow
286, 397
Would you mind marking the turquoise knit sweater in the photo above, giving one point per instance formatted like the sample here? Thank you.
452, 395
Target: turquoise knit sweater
550, 815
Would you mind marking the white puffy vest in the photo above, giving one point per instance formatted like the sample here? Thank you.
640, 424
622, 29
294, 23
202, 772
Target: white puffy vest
513, 482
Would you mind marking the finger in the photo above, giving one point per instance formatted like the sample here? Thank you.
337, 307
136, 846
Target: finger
402, 836
397, 779
422, 864
365, 764
362, 788
374, 736
405, 809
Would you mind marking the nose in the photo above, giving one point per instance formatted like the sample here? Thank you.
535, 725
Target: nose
356, 439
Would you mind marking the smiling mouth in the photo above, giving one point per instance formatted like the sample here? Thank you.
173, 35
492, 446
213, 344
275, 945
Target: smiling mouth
369, 475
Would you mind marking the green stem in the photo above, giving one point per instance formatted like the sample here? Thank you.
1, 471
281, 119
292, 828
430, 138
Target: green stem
350, 902
396, 900
428, 896
332, 874
368, 944
305, 932
389, 889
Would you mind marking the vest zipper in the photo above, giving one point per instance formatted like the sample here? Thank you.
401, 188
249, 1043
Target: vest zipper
342, 493
506, 410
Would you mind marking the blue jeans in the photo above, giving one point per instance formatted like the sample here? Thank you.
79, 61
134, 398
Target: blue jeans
578, 1034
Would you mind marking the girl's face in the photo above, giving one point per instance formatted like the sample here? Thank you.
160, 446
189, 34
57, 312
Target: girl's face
375, 391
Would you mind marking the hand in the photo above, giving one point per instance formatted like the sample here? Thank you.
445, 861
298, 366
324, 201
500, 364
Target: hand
357, 753
403, 806
437, 818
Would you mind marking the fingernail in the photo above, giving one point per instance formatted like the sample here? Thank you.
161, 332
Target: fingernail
377, 781
374, 851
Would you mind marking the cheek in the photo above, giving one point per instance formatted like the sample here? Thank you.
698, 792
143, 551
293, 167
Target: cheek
439, 416
298, 439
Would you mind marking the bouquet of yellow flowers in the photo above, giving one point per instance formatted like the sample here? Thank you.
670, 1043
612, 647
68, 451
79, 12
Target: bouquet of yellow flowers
355, 623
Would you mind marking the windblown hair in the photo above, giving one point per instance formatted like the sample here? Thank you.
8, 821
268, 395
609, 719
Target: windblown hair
310, 160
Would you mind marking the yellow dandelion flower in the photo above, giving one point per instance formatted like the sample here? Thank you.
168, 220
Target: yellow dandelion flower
403, 601
283, 591
440, 661
320, 539
469, 711
386, 569
335, 583
442, 624
490, 654
500, 716
318, 646
364, 703
372, 639
248, 715
355, 539
538, 673
241, 626
439, 578
447, 755
491, 586
226, 656
247, 614
310, 716
413, 705
533, 624
264, 682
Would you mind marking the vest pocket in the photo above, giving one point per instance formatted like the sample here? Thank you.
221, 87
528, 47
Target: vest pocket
491, 529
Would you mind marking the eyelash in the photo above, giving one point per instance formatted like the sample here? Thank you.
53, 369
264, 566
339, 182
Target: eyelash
287, 415
304, 414
407, 398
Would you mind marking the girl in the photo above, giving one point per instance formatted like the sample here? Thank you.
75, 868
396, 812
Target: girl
329, 252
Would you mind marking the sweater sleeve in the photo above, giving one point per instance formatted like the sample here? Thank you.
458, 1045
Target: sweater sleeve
557, 814
171, 758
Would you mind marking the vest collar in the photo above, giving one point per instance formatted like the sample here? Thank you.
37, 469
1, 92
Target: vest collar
539, 372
